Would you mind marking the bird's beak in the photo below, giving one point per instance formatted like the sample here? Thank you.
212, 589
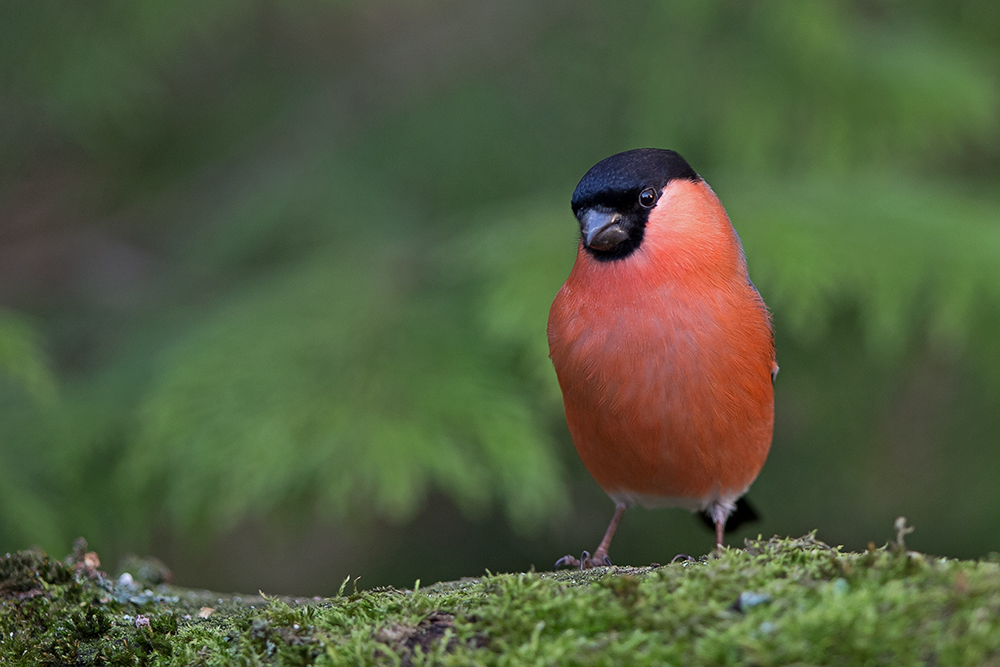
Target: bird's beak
602, 229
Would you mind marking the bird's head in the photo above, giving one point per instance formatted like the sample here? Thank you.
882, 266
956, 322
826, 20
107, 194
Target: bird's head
614, 199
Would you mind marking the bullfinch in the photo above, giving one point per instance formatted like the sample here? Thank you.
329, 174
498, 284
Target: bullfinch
662, 346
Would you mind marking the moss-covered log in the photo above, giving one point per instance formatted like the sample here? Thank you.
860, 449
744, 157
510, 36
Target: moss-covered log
774, 602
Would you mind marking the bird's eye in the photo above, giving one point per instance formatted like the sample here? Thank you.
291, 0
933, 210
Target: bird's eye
647, 198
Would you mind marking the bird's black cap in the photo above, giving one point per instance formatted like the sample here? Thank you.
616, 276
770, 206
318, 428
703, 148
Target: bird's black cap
615, 182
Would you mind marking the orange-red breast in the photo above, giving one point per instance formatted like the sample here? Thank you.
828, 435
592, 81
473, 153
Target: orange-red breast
662, 345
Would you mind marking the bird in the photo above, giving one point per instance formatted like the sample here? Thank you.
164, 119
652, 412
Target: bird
662, 346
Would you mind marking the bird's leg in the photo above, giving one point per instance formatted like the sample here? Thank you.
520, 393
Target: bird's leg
600, 557
720, 511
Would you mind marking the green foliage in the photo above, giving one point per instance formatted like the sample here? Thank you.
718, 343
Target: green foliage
25, 377
902, 255
814, 87
22, 360
349, 222
778, 602
346, 395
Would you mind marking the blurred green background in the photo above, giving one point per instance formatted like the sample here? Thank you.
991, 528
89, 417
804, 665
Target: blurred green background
275, 275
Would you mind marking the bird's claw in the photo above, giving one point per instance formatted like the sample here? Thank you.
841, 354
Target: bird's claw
681, 557
567, 561
584, 562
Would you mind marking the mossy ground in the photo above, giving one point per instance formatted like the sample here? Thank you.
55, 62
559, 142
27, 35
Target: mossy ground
775, 602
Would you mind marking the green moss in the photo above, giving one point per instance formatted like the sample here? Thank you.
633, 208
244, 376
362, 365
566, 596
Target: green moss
66, 613
775, 602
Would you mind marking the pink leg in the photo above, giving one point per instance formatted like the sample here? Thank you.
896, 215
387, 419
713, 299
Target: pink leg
601, 553
600, 557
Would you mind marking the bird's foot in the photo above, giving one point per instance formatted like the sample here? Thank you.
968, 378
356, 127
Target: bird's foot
567, 561
585, 561
681, 557
600, 559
